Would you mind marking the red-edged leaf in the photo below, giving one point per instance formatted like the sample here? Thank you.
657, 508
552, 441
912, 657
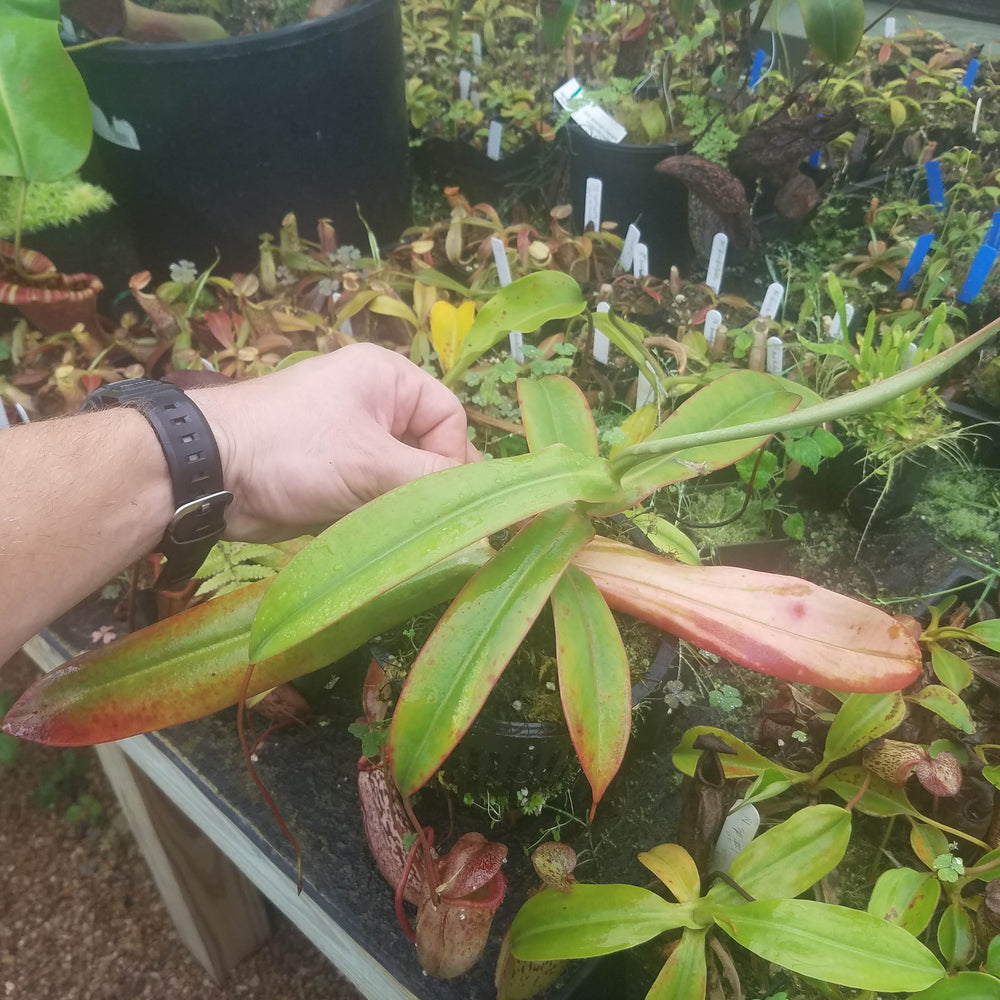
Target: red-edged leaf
593, 678
220, 325
778, 625
193, 664
474, 641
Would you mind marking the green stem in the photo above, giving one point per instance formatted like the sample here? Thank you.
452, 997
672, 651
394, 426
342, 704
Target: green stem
22, 199
833, 409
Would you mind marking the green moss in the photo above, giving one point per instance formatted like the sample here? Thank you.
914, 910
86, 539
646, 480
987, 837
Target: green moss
962, 506
54, 203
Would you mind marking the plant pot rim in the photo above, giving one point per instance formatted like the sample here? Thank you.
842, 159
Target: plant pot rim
237, 45
673, 147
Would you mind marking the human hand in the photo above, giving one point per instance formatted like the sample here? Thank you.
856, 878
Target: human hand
304, 446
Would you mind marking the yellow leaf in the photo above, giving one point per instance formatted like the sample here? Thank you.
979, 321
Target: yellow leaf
388, 306
897, 112
449, 327
637, 427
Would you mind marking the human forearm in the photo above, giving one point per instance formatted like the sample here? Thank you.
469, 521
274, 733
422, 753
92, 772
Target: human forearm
80, 498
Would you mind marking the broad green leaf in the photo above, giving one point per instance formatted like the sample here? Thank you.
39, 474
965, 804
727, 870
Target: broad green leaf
472, 644
927, 843
525, 305
45, 123
956, 936
667, 537
676, 869
592, 920
834, 27
555, 411
684, 975
744, 762
992, 963
554, 25
987, 633
399, 534
831, 943
778, 625
594, 681
739, 398
386, 305
951, 669
879, 799
905, 897
945, 703
861, 719
190, 665
964, 986
654, 122
787, 859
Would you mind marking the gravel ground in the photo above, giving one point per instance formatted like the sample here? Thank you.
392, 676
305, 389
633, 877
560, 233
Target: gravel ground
80, 917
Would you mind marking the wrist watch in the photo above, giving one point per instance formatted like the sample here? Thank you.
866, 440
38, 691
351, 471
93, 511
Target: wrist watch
195, 470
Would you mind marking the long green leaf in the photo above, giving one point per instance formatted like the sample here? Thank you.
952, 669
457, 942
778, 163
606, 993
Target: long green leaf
831, 943
525, 305
555, 411
684, 975
403, 532
834, 27
834, 409
191, 665
628, 338
964, 986
592, 920
741, 398
468, 650
593, 678
790, 857
861, 719
906, 897
778, 625
45, 123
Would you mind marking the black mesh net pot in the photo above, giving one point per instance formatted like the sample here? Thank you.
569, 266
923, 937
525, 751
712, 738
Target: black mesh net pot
206, 145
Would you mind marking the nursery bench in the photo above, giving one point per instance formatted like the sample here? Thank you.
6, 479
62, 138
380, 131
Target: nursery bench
214, 848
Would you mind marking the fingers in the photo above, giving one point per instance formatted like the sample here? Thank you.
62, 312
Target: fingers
403, 463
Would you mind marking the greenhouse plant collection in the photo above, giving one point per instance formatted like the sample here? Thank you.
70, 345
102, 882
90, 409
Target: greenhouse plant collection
687, 685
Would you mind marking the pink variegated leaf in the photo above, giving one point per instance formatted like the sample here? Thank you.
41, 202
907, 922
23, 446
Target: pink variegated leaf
778, 625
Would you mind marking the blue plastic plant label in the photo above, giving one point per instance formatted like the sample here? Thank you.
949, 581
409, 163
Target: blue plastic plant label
757, 68
915, 262
978, 273
970, 74
935, 184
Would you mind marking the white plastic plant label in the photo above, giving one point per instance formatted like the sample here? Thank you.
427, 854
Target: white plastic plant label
4, 422
717, 262
595, 121
640, 261
909, 354
774, 358
464, 84
601, 343
517, 346
516, 338
500, 259
713, 320
628, 247
477, 49
117, 131
890, 27
772, 300
739, 829
592, 204
975, 117
836, 330
476, 99
493, 140
643, 392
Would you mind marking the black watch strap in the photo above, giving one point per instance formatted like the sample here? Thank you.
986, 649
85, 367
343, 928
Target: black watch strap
195, 470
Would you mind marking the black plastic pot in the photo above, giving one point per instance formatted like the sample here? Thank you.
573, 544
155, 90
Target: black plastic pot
450, 163
634, 193
233, 134
501, 754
